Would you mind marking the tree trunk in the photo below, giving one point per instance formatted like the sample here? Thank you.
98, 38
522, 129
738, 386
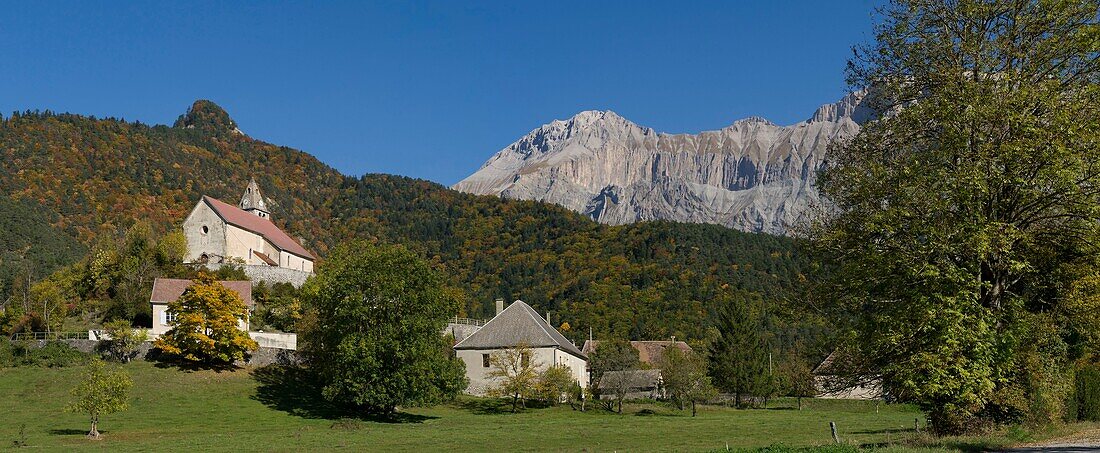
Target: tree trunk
515, 399
800, 403
94, 433
692, 408
620, 405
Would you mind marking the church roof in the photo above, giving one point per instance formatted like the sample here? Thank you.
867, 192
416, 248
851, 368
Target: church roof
519, 323
167, 290
256, 224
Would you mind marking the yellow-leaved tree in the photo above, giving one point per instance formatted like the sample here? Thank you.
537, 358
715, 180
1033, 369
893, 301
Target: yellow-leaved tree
206, 324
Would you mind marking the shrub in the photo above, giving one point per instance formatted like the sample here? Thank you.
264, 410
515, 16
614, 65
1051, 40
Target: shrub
124, 340
1085, 402
53, 354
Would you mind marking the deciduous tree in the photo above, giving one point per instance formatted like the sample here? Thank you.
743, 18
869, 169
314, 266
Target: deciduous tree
955, 213
373, 338
103, 391
614, 365
514, 374
123, 340
685, 377
554, 383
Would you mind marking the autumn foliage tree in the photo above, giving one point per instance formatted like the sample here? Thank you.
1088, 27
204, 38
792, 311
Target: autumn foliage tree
206, 324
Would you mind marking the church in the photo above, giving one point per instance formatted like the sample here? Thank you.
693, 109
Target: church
218, 232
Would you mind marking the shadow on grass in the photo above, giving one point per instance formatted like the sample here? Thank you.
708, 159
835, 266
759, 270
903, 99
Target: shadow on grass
72, 432
163, 360
885, 431
292, 390
975, 446
487, 406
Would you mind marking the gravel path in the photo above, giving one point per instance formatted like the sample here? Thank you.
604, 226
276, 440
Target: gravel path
1087, 441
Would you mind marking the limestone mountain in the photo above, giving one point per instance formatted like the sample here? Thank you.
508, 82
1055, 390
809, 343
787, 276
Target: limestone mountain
753, 175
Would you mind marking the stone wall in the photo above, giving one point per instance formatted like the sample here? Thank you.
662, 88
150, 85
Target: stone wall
270, 274
275, 340
261, 357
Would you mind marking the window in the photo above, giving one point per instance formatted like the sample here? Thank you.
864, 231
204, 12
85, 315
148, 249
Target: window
170, 317
485, 360
526, 359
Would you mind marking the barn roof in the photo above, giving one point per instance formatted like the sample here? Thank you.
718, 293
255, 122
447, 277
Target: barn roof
167, 290
519, 323
237, 217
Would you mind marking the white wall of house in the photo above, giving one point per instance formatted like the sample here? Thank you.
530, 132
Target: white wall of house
161, 324
478, 372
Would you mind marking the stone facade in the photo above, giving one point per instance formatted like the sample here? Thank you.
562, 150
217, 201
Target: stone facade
206, 235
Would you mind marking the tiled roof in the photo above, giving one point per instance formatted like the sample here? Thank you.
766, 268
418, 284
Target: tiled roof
166, 290
651, 352
263, 257
237, 217
519, 323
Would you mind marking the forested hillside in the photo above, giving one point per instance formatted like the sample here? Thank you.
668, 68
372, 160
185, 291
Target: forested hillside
87, 177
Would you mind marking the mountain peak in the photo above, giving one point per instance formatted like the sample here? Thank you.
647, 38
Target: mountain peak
207, 115
588, 117
754, 120
850, 106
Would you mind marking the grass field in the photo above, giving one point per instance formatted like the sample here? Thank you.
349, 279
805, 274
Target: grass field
272, 410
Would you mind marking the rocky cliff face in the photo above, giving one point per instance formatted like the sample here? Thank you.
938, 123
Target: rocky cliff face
753, 175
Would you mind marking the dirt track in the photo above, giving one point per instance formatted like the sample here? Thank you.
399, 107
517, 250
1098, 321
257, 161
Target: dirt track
1086, 441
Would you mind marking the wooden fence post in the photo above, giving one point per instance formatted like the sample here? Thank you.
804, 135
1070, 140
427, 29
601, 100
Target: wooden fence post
832, 426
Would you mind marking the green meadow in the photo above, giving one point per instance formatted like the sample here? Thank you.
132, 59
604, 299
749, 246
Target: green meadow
274, 409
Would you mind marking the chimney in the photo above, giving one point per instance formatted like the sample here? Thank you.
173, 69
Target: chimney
500, 305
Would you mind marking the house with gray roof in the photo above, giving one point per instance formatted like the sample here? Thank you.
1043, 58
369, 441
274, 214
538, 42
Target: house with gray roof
514, 325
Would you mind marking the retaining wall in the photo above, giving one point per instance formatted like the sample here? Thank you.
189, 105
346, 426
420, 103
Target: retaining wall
270, 274
260, 357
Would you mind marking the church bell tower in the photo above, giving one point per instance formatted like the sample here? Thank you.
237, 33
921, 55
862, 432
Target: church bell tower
253, 202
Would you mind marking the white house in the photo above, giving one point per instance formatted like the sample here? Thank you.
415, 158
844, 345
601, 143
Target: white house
519, 323
167, 290
219, 232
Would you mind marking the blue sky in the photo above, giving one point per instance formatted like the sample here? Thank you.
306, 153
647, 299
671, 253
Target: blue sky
428, 90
